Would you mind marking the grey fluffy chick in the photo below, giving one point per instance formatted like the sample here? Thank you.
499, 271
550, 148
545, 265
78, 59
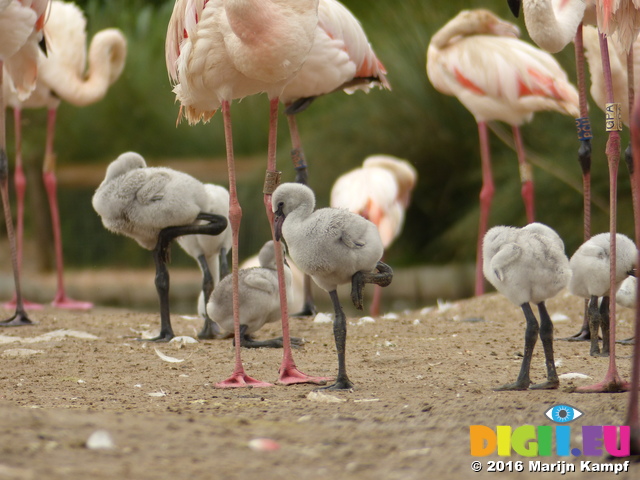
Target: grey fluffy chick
154, 205
334, 247
590, 267
528, 265
259, 300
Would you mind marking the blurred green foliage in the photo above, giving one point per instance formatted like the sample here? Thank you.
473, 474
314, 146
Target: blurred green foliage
413, 121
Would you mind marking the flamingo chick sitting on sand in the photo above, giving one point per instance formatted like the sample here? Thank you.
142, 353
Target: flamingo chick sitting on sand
210, 251
259, 300
334, 247
154, 205
590, 267
528, 265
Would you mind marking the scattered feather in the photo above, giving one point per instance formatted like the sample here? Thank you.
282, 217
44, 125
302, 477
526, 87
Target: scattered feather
324, 397
366, 400
416, 322
559, 362
559, 318
323, 318
183, 340
426, 310
572, 376
190, 317
167, 358
161, 393
443, 305
391, 316
100, 440
365, 320
20, 352
263, 445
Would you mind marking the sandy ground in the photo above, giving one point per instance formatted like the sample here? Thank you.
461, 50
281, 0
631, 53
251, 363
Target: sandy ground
422, 378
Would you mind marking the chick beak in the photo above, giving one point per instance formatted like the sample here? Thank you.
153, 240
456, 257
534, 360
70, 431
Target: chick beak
632, 272
277, 223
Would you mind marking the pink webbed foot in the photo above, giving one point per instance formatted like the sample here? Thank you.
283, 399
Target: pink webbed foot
611, 384
62, 301
242, 380
291, 375
25, 303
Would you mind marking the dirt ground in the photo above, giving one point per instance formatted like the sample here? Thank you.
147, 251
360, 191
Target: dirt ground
422, 378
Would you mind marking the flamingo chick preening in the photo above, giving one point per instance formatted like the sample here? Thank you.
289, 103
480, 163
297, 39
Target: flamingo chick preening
476, 58
380, 191
154, 205
259, 300
590, 267
63, 75
333, 246
528, 265
210, 251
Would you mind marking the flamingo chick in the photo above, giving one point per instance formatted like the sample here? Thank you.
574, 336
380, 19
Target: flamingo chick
528, 265
380, 191
259, 299
154, 205
590, 267
210, 251
334, 247
497, 77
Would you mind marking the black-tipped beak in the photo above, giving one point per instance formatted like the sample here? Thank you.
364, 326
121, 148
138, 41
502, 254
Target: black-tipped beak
632, 272
277, 223
514, 6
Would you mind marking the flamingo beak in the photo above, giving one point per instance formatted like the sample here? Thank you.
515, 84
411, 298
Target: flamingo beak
514, 6
277, 222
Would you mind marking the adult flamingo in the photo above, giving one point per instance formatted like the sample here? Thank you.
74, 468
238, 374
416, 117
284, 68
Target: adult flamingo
623, 19
380, 191
476, 58
221, 50
63, 75
20, 32
341, 58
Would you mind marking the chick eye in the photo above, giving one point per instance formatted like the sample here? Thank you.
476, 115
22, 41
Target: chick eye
563, 413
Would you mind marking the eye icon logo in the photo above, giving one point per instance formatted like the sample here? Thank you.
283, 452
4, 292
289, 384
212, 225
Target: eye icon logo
563, 413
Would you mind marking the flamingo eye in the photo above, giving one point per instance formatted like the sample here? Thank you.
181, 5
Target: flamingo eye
563, 413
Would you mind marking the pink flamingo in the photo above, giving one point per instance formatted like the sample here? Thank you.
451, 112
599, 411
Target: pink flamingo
476, 58
613, 17
341, 58
633, 419
221, 50
20, 32
63, 75
380, 191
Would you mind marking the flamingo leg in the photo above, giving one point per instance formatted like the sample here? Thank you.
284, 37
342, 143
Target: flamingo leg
20, 317
20, 184
210, 329
50, 183
612, 381
486, 196
300, 166
214, 226
526, 176
584, 157
633, 418
546, 337
340, 334
289, 373
238, 378
530, 339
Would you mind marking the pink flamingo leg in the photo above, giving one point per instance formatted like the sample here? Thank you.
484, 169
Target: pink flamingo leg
238, 378
289, 373
50, 184
526, 176
633, 419
20, 317
20, 183
612, 381
486, 196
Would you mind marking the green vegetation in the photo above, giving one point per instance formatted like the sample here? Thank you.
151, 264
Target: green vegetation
413, 121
